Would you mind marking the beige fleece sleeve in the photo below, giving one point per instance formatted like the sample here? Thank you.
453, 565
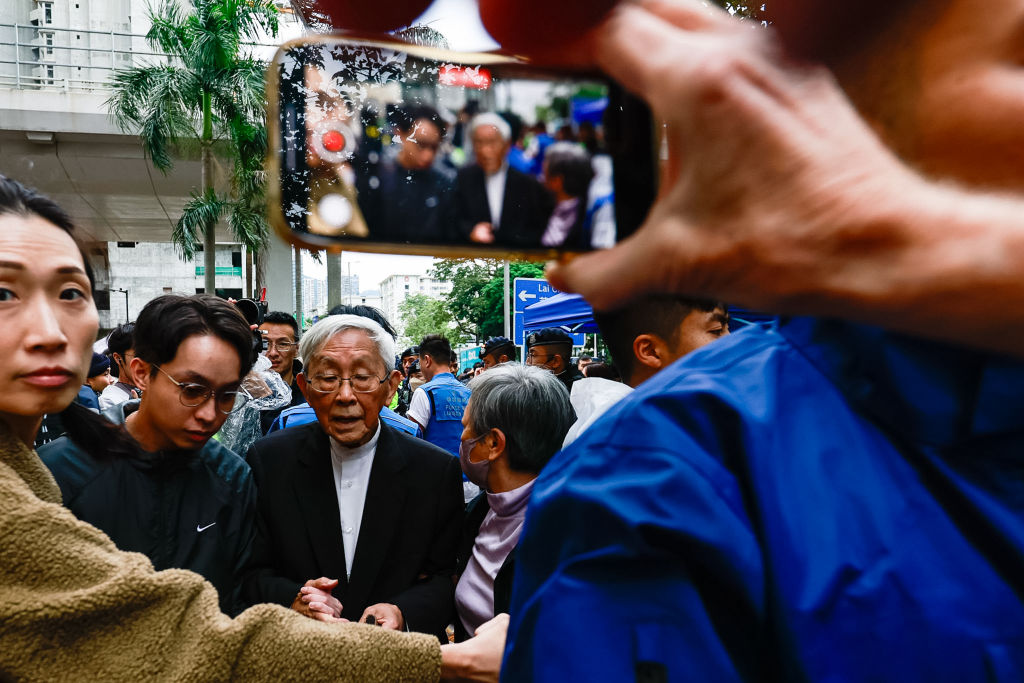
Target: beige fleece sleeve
74, 607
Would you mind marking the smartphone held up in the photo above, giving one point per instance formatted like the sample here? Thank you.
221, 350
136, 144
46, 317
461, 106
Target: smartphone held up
396, 147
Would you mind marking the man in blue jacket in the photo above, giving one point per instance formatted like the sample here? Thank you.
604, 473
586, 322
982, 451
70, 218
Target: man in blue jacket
438, 405
820, 501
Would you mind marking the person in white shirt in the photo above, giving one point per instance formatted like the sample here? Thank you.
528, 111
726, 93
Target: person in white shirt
494, 202
375, 511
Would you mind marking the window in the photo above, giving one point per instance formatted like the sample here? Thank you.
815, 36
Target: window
167, 290
126, 245
47, 50
236, 259
47, 12
49, 73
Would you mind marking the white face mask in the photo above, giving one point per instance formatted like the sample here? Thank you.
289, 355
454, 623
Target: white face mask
415, 383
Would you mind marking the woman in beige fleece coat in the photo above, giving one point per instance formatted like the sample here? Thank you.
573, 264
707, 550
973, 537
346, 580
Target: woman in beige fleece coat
74, 607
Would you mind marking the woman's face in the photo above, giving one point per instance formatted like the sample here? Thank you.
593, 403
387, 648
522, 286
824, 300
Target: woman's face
47, 319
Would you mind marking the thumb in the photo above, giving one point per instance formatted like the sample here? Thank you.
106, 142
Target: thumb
323, 583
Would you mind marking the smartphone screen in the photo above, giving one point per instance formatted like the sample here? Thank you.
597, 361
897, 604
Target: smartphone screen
394, 147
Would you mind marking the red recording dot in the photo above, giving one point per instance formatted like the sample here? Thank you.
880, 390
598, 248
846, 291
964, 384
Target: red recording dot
333, 141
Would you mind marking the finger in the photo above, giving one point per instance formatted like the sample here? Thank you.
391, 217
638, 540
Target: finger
324, 583
639, 264
327, 618
320, 607
642, 52
690, 15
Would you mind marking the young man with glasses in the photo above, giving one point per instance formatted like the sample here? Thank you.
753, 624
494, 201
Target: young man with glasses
280, 330
376, 511
159, 484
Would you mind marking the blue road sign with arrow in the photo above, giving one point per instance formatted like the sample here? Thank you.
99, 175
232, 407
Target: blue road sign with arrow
525, 292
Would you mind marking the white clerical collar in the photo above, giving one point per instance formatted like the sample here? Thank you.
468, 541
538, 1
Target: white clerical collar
343, 452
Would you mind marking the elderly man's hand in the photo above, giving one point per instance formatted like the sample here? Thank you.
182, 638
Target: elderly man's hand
386, 615
316, 602
482, 233
774, 190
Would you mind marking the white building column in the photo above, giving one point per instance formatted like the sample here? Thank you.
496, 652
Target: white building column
278, 275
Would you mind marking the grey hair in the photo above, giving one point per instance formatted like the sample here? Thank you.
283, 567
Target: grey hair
529, 405
322, 332
492, 119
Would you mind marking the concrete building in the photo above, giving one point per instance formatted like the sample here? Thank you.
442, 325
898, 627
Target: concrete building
397, 288
56, 60
314, 297
135, 272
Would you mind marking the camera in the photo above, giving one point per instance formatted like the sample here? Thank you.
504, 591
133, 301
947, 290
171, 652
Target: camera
253, 312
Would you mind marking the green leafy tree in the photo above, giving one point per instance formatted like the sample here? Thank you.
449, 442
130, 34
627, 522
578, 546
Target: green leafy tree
209, 93
422, 315
475, 301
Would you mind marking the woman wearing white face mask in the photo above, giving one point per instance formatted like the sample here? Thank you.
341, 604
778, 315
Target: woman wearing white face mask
513, 424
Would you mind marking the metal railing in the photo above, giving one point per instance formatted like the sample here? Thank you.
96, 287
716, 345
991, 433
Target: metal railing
45, 57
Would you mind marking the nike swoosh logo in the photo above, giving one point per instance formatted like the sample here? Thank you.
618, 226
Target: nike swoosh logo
201, 529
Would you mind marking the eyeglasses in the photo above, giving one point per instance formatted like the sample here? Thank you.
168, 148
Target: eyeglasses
361, 384
282, 346
193, 395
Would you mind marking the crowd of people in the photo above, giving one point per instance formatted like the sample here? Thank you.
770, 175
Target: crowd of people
816, 499
516, 186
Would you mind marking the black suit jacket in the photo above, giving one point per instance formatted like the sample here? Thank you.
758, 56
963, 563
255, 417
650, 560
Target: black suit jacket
525, 209
408, 537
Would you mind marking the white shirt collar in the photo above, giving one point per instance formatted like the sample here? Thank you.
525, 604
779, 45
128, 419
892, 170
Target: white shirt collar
339, 450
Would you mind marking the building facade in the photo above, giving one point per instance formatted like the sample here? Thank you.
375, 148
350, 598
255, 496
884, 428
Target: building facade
133, 273
396, 288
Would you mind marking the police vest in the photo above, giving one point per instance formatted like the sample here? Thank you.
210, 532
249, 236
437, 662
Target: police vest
448, 398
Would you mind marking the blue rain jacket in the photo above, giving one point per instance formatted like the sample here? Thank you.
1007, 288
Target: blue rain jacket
817, 501
303, 414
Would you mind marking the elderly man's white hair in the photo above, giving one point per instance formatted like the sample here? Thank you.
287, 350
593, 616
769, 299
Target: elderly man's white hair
492, 119
318, 335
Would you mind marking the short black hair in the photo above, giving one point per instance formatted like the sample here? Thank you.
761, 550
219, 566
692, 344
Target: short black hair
406, 118
19, 200
282, 318
374, 314
120, 340
168, 320
603, 370
658, 314
572, 164
437, 347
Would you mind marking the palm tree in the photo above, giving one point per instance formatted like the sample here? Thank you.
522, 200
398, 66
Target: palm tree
209, 92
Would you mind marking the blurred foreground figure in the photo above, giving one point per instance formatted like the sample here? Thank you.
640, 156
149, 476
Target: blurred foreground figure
819, 501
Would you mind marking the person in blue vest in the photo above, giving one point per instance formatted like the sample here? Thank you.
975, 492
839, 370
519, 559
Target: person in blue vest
302, 413
438, 405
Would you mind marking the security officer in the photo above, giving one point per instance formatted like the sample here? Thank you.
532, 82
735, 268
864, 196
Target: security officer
438, 405
497, 350
551, 348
